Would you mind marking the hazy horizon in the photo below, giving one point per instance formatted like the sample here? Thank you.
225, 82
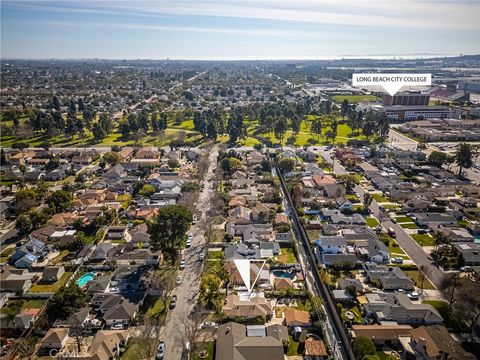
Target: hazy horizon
237, 29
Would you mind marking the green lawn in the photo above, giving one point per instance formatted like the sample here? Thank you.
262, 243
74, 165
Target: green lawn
403, 219
156, 306
384, 356
423, 239
380, 198
344, 133
139, 349
209, 346
6, 254
354, 99
215, 255
286, 256
50, 288
394, 248
33, 304
294, 348
355, 310
352, 197
409, 226
415, 276
371, 221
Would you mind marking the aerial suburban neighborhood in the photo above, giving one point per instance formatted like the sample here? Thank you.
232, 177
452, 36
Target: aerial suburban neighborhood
235, 209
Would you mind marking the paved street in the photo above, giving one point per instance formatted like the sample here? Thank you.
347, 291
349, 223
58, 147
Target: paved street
187, 291
401, 141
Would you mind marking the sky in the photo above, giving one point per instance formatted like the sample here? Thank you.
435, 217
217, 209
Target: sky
238, 29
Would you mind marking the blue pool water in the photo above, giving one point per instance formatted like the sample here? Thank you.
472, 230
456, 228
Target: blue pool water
85, 278
477, 239
283, 274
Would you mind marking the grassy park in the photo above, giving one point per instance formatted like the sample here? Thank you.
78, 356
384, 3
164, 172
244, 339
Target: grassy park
354, 99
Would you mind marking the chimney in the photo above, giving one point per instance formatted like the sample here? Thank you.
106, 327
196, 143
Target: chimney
422, 342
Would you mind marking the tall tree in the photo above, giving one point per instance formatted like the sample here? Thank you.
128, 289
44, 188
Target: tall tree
464, 157
344, 108
280, 128
317, 126
56, 103
65, 302
167, 230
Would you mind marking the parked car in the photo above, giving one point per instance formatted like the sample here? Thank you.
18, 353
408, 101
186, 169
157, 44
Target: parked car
182, 264
422, 231
397, 260
209, 325
179, 280
189, 242
466, 269
413, 296
201, 257
117, 327
173, 302
391, 232
160, 350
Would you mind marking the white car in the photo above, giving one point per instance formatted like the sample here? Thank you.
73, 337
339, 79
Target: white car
201, 257
414, 296
179, 280
182, 264
117, 327
397, 260
209, 325
189, 242
190, 236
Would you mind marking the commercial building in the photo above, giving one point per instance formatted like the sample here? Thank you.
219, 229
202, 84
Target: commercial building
406, 99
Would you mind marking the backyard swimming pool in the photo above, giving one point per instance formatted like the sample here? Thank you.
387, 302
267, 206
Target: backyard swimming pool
283, 274
85, 278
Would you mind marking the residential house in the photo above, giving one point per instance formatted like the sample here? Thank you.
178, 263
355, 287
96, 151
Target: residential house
433, 343
398, 307
382, 334
248, 307
387, 277
239, 342
55, 338
470, 253
52, 274
296, 318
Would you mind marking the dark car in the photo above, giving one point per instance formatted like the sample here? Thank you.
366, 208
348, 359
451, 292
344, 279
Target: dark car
173, 302
160, 350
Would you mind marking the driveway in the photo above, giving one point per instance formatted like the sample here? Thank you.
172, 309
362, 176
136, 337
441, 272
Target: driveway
187, 291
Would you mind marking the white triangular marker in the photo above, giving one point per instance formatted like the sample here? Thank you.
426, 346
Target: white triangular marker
243, 266
392, 88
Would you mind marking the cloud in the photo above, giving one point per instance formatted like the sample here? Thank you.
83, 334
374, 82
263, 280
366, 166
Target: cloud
268, 32
421, 14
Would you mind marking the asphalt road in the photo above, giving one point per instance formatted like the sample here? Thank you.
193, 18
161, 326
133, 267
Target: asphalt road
406, 242
401, 141
187, 291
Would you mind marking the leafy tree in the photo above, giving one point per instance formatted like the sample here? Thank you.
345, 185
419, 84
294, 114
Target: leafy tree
65, 302
212, 130
362, 347
437, 158
383, 126
167, 230
369, 124
25, 200
280, 128
88, 116
56, 103
464, 157
111, 158
147, 190
106, 122
210, 295
190, 187
317, 126
344, 108
230, 165
59, 200
21, 145
330, 135
81, 105
23, 224
3, 158
286, 165
98, 133
172, 164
